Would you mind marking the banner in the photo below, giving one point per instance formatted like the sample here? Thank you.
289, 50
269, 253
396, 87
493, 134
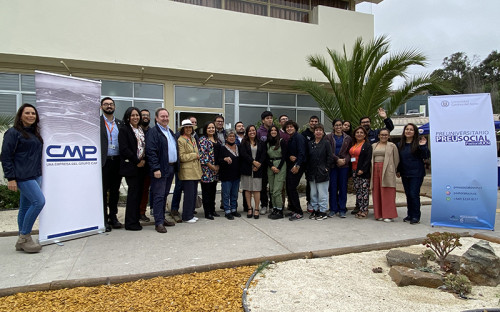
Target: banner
464, 161
71, 163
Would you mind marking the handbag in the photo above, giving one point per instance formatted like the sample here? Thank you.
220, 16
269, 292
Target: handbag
199, 202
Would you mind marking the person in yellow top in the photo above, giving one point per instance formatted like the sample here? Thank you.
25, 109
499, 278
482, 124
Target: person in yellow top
190, 169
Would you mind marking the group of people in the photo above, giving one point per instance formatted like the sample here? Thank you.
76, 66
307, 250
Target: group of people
266, 163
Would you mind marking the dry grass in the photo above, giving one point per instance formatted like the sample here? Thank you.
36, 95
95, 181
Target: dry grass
219, 290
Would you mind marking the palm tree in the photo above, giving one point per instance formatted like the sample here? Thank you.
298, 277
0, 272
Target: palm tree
362, 83
6, 121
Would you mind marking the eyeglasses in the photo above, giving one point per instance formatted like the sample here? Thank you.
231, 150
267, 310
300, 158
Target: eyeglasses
108, 104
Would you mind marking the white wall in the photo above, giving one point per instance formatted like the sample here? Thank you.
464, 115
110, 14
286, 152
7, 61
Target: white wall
167, 34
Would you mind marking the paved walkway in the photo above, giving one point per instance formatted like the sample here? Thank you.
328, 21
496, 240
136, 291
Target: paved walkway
121, 252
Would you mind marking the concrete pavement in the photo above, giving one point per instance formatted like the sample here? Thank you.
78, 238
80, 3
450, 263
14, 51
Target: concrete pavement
125, 253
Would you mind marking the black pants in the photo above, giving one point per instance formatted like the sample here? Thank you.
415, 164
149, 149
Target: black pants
308, 192
208, 191
292, 182
189, 187
111, 180
134, 197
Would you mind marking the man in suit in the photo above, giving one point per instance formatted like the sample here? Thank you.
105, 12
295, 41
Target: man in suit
162, 155
110, 162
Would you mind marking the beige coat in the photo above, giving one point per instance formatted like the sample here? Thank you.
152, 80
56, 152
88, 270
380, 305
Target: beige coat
190, 167
391, 161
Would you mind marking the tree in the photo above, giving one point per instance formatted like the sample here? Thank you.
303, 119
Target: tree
361, 83
462, 75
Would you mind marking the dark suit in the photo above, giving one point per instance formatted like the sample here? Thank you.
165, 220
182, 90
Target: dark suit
111, 177
157, 157
133, 175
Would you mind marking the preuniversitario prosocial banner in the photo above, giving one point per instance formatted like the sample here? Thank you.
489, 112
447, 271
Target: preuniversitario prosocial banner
71, 163
464, 161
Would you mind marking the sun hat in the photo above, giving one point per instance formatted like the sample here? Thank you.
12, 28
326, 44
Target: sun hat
186, 123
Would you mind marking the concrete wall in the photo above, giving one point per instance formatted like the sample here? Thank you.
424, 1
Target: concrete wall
167, 34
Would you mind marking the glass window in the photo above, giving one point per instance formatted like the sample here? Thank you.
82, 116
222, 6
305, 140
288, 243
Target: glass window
28, 83
148, 90
9, 82
229, 96
304, 115
8, 104
306, 101
281, 99
277, 112
250, 97
117, 88
29, 98
120, 108
150, 106
250, 115
229, 115
198, 97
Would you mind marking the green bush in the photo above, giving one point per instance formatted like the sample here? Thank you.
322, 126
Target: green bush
8, 198
459, 284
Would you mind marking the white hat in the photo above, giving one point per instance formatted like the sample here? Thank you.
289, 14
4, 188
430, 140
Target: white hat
186, 123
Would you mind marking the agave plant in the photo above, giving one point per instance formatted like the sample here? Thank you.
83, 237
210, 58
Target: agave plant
361, 82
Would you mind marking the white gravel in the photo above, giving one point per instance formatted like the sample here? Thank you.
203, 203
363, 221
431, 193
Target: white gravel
347, 283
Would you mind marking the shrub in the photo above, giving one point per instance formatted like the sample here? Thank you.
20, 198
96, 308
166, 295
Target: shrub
442, 244
459, 284
8, 198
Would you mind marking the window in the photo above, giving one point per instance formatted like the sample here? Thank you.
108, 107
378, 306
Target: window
198, 97
16, 89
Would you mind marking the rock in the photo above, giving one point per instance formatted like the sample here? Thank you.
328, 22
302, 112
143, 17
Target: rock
453, 263
404, 276
481, 265
409, 260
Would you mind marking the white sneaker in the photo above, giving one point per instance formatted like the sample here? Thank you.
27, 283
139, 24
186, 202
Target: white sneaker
195, 218
263, 210
380, 219
190, 221
388, 220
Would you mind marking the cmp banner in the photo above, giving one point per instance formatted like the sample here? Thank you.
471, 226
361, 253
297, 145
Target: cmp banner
71, 164
464, 161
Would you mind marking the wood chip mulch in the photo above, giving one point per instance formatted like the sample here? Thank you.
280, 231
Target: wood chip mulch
217, 290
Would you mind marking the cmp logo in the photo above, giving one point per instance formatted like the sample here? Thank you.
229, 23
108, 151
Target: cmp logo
445, 103
68, 153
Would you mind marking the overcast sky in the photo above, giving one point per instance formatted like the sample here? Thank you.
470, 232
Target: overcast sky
438, 28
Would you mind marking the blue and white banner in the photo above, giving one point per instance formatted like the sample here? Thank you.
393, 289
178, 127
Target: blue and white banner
71, 164
464, 161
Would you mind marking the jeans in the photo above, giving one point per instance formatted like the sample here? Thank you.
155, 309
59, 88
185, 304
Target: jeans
338, 189
159, 192
412, 190
176, 197
230, 195
319, 195
30, 204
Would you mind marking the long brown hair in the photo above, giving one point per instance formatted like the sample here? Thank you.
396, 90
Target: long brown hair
276, 140
19, 126
414, 143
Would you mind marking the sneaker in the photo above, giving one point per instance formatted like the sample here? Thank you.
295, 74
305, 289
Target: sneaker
289, 214
321, 216
310, 208
414, 221
380, 219
407, 219
236, 214
195, 218
331, 214
313, 215
388, 220
277, 214
263, 210
190, 221
342, 215
296, 216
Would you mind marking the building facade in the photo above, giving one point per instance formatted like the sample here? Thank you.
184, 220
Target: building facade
203, 58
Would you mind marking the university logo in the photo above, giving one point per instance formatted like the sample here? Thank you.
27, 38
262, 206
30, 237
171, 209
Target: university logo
445, 103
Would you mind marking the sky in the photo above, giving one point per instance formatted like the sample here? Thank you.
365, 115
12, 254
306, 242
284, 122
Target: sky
438, 28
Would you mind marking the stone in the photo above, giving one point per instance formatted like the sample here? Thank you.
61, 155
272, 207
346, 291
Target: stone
406, 259
481, 265
404, 276
453, 263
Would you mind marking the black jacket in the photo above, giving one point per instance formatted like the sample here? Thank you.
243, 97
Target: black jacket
320, 160
157, 151
104, 139
297, 147
365, 160
283, 145
247, 159
127, 142
410, 164
21, 157
373, 134
228, 172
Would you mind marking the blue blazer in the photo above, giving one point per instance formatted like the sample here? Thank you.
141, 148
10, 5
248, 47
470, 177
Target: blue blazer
157, 151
